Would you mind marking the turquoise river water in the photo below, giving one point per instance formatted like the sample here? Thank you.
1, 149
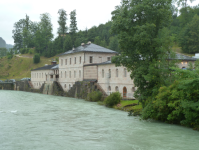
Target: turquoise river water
30, 121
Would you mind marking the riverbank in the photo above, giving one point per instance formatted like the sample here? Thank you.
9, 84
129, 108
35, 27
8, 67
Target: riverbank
131, 106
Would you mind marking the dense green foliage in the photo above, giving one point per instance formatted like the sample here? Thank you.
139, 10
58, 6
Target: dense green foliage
177, 103
94, 96
113, 99
36, 58
145, 42
190, 37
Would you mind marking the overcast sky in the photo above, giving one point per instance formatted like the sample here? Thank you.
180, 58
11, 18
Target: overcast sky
89, 13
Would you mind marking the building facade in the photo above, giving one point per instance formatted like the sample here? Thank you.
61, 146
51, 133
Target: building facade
90, 62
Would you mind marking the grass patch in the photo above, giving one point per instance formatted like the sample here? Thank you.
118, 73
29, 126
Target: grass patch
129, 108
178, 49
20, 67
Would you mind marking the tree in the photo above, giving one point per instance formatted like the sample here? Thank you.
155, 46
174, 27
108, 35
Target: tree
113, 44
67, 43
36, 58
97, 40
190, 38
62, 30
140, 28
17, 34
43, 34
73, 26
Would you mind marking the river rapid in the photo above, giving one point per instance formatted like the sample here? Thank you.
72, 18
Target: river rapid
30, 121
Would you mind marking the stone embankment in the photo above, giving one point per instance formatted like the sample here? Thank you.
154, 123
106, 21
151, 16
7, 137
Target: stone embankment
79, 90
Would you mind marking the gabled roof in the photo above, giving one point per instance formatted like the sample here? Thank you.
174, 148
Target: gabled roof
89, 48
47, 67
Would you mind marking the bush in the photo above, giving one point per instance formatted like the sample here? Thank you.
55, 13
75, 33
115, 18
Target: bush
94, 96
36, 58
9, 56
31, 51
113, 99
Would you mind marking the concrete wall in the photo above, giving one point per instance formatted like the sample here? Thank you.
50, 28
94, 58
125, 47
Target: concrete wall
117, 81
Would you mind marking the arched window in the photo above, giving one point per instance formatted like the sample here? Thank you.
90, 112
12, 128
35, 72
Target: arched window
116, 89
102, 73
74, 74
124, 92
109, 88
116, 73
65, 61
133, 89
65, 74
125, 72
79, 73
109, 73
75, 60
70, 74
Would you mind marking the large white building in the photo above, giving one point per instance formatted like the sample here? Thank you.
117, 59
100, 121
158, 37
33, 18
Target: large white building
90, 62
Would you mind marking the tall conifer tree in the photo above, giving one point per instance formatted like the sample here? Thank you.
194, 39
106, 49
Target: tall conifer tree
73, 26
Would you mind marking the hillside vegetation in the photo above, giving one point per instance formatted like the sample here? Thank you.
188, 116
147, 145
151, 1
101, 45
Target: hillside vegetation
20, 66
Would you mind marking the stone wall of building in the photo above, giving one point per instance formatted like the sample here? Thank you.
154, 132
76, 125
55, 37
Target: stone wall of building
38, 77
113, 79
90, 72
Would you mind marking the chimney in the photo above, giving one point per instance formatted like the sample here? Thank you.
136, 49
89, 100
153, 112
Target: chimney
89, 42
53, 62
73, 48
82, 44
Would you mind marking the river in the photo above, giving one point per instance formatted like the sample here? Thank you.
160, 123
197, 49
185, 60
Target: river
30, 121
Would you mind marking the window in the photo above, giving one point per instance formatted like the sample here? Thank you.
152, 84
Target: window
42, 75
116, 89
65, 86
125, 73
70, 61
116, 72
108, 58
80, 73
124, 92
70, 74
69, 87
61, 62
61, 74
102, 73
133, 89
65, 61
65, 74
91, 59
80, 59
75, 60
74, 74
109, 73
109, 88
